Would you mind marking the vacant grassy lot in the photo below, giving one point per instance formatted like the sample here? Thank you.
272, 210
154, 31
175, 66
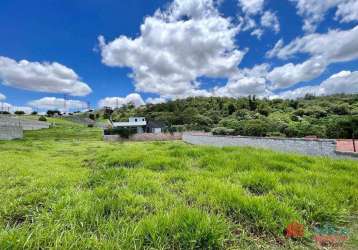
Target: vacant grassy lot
63, 188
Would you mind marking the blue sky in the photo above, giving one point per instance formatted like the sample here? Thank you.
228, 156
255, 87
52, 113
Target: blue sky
188, 48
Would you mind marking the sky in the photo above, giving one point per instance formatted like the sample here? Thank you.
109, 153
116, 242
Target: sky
95, 53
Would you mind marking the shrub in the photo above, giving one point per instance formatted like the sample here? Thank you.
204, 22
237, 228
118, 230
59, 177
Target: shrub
230, 123
42, 119
222, 131
92, 117
254, 127
342, 109
343, 128
19, 112
276, 134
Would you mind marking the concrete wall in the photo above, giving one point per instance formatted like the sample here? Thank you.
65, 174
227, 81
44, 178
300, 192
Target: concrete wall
8, 132
26, 124
320, 147
146, 137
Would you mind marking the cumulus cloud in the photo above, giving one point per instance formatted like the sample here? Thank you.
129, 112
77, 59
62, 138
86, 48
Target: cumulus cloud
252, 7
348, 11
176, 46
116, 102
4, 106
41, 77
255, 8
343, 82
243, 86
290, 74
247, 82
53, 103
324, 49
270, 20
156, 100
2, 97
335, 46
314, 11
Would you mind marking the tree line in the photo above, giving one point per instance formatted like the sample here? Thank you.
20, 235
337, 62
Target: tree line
333, 116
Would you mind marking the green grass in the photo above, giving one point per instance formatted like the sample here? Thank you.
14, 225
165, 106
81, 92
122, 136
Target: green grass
64, 188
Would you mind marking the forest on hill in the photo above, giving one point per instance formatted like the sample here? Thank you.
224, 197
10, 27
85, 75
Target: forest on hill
333, 116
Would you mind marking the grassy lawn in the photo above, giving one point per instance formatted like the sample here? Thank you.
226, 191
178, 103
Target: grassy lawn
64, 188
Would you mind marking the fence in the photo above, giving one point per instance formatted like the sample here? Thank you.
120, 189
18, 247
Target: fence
319, 147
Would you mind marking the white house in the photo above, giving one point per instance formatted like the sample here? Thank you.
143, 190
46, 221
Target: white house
134, 122
141, 124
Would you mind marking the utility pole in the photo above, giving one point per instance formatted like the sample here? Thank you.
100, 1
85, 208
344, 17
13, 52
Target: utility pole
65, 103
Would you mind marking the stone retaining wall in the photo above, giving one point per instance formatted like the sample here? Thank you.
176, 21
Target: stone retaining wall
146, 137
320, 147
8, 132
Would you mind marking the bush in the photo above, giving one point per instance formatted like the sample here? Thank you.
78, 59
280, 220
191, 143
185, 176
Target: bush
34, 113
343, 128
223, 131
254, 127
230, 123
342, 109
276, 134
42, 119
92, 117
19, 112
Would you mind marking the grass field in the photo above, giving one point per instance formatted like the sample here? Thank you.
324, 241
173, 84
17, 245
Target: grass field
64, 188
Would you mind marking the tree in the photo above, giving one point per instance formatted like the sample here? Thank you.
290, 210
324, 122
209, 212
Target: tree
92, 117
19, 112
51, 113
231, 108
341, 109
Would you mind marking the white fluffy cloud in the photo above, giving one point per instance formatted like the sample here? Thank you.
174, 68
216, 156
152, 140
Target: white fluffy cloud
314, 11
2, 97
252, 7
53, 103
41, 77
116, 102
247, 82
4, 106
335, 46
324, 49
270, 20
156, 100
175, 47
290, 74
342, 82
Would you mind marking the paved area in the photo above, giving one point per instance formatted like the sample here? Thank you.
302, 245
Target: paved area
346, 145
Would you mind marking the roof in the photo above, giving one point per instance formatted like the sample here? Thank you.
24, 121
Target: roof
129, 124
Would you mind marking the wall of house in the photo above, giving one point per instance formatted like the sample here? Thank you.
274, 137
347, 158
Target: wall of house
319, 147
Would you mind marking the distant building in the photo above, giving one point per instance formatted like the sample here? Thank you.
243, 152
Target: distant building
141, 124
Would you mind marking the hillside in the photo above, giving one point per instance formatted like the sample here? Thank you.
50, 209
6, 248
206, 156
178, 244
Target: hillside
326, 117
64, 188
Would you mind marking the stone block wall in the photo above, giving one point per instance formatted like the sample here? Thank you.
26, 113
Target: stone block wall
8, 132
319, 147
